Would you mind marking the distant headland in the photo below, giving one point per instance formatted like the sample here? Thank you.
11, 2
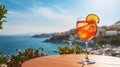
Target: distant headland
71, 36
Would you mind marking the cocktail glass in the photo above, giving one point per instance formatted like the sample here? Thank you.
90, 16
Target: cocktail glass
86, 30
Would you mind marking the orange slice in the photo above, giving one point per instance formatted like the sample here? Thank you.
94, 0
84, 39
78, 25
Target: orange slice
92, 18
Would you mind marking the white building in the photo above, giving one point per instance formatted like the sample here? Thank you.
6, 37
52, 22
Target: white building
72, 38
111, 33
100, 32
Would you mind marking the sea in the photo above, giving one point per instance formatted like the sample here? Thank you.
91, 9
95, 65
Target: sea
9, 44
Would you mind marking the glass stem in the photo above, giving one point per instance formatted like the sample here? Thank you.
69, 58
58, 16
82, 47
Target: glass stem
86, 46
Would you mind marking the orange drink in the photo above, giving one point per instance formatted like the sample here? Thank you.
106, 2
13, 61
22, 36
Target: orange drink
86, 30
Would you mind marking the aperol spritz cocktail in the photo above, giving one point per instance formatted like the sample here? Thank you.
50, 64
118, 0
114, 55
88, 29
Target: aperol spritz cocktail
86, 30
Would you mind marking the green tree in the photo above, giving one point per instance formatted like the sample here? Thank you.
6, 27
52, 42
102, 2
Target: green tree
3, 11
67, 50
114, 41
102, 42
2, 58
78, 49
64, 50
60, 50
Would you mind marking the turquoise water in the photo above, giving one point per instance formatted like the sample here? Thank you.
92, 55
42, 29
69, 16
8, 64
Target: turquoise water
8, 44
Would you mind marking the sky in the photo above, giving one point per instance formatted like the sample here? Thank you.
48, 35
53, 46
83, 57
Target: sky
48, 16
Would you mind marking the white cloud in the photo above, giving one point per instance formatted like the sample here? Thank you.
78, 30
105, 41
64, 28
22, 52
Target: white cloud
27, 29
107, 10
37, 19
99, 6
60, 8
49, 13
106, 5
36, 14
